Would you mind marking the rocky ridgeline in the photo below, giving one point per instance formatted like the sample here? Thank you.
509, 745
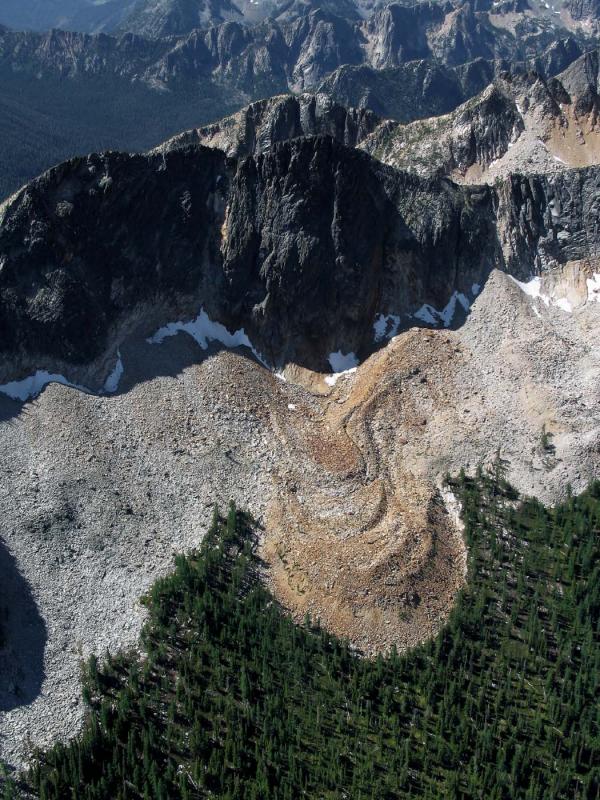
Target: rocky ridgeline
288, 54
258, 127
303, 247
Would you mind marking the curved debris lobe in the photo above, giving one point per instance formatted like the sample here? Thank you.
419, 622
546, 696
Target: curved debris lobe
355, 538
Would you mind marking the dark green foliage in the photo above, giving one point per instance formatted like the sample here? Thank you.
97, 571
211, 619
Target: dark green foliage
234, 701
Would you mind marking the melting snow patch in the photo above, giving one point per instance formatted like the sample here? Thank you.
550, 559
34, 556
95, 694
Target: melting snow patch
203, 330
449, 311
564, 304
386, 326
426, 314
533, 288
593, 288
341, 364
475, 289
30, 387
111, 384
432, 316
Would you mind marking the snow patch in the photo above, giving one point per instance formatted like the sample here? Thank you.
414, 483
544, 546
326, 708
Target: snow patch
203, 330
386, 326
111, 384
341, 364
426, 314
292, 406
30, 387
475, 289
432, 316
533, 288
564, 304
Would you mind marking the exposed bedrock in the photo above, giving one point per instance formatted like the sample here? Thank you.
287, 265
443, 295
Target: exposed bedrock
303, 247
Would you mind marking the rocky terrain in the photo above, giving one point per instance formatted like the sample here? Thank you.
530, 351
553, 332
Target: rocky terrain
520, 123
304, 307
258, 127
343, 470
301, 248
99, 492
63, 93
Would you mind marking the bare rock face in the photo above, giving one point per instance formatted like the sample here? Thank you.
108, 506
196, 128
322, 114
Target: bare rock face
299, 247
156, 18
410, 91
584, 9
105, 235
520, 124
302, 247
258, 127
549, 221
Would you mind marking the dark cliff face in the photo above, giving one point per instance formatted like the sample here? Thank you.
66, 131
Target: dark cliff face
93, 238
550, 220
302, 247
411, 91
258, 127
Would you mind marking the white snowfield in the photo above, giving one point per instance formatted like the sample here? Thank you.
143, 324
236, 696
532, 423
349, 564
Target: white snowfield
386, 326
30, 387
111, 384
203, 330
593, 288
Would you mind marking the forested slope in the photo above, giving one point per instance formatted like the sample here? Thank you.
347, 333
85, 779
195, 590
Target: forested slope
232, 700
48, 120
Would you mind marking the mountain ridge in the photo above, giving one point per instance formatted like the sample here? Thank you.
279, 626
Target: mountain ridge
241, 240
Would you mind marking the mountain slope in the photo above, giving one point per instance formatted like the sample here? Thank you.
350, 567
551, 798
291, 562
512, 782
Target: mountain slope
519, 124
156, 18
259, 127
92, 93
253, 241
239, 645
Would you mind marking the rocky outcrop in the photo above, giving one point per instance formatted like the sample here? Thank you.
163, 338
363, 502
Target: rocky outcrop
521, 123
272, 55
548, 221
72, 237
258, 127
294, 246
411, 91
477, 133
584, 9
